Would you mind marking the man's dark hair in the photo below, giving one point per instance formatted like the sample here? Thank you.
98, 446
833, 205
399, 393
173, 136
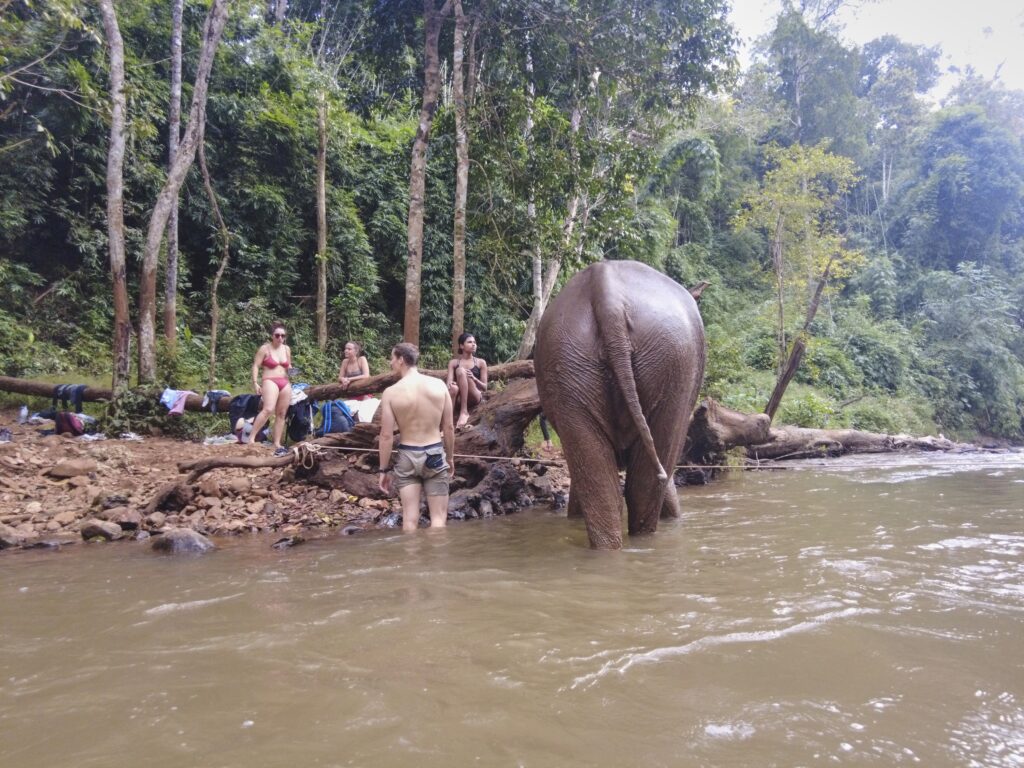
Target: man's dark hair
406, 352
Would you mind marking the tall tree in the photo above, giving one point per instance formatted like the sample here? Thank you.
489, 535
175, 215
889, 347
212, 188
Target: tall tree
321, 222
433, 17
212, 30
797, 206
461, 177
173, 139
115, 199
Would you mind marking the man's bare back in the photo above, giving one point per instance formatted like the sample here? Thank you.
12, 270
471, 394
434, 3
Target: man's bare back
417, 402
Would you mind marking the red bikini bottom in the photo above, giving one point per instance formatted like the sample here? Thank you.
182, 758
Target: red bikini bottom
281, 383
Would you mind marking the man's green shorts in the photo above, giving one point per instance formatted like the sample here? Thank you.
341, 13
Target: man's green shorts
422, 465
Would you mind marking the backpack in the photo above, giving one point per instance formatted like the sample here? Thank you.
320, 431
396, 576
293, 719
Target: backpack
244, 407
300, 421
336, 418
68, 422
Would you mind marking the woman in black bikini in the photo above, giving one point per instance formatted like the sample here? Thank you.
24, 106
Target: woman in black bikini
467, 378
353, 366
274, 358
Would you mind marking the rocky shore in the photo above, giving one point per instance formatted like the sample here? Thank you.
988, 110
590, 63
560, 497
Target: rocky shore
58, 490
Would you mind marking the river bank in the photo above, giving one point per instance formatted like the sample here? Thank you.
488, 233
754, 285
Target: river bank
58, 490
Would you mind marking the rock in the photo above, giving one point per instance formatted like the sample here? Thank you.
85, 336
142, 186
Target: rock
52, 526
210, 486
336, 496
141, 535
114, 500
540, 485
351, 530
208, 502
67, 517
72, 468
255, 507
182, 541
287, 541
79, 481
156, 520
103, 529
112, 514
9, 537
129, 519
239, 485
33, 508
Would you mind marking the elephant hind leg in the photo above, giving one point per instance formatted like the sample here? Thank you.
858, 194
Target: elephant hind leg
645, 493
592, 467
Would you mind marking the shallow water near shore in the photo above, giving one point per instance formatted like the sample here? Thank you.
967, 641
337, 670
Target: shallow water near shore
867, 611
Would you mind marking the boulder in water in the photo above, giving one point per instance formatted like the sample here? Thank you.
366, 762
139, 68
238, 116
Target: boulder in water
101, 529
178, 541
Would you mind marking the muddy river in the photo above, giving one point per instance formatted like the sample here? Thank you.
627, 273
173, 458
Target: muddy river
861, 612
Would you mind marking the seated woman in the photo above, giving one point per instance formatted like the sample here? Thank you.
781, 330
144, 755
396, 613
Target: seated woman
274, 358
467, 378
353, 366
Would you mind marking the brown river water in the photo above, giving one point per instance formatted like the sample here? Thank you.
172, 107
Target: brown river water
864, 612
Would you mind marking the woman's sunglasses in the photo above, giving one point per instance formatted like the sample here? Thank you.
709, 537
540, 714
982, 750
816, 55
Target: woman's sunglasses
280, 335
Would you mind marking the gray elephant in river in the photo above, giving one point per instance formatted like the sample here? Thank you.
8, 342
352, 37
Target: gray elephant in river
619, 361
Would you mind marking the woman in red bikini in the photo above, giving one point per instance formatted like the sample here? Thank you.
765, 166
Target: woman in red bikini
274, 358
467, 378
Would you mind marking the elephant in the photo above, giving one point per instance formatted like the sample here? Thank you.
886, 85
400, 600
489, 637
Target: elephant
619, 360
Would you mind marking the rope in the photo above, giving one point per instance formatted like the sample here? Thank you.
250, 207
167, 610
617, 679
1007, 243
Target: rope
751, 465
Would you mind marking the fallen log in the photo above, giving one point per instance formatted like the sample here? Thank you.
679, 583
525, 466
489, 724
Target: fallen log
803, 443
198, 467
517, 369
496, 428
716, 429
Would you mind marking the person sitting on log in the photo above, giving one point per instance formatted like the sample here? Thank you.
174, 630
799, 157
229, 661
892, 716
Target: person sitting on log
274, 358
467, 378
353, 366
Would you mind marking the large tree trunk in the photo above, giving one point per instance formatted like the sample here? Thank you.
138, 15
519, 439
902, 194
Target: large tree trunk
432, 18
115, 200
536, 258
212, 30
461, 179
555, 264
225, 244
321, 224
374, 384
173, 139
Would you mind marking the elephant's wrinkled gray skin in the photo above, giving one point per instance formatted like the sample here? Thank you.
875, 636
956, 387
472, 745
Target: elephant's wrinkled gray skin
619, 360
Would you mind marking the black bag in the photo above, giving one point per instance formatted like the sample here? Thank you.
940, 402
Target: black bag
244, 407
300, 421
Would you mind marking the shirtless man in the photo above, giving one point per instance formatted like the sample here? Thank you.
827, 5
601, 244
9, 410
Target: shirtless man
422, 408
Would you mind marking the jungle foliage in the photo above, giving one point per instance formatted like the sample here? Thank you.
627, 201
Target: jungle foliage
628, 120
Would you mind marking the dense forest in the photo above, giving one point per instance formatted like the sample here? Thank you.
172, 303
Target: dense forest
373, 169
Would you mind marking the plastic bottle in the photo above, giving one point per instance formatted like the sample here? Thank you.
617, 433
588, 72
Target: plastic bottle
23, 414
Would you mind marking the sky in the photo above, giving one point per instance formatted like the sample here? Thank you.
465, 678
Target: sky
988, 34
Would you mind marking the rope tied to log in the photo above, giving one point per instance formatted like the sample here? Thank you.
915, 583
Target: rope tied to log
306, 454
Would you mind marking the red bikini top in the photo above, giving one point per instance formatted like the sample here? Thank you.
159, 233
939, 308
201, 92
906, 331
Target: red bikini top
270, 362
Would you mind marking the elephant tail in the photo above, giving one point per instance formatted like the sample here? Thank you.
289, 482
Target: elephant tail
613, 325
